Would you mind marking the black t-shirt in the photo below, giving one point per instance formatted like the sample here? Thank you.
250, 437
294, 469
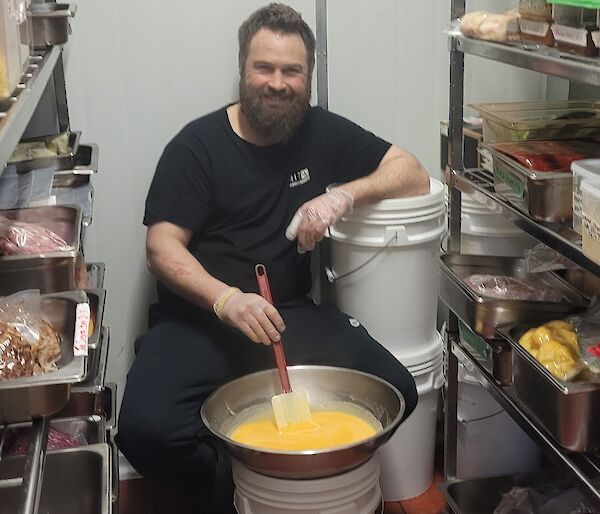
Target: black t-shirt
238, 198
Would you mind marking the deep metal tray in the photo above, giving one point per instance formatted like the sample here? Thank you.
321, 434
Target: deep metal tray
75, 481
96, 272
101, 403
483, 315
568, 410
96, 369
50, 22
62, 161
97, 299
544, 196
43, 395
483, 495
86, 164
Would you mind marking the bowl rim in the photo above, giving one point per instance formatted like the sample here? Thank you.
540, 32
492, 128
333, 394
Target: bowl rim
378, 435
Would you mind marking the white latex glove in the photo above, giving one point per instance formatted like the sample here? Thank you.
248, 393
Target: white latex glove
315, 216
254, 316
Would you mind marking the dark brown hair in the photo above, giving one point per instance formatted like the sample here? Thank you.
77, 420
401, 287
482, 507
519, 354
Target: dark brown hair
278, 18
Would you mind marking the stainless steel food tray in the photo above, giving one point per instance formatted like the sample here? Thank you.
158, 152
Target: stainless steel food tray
97, 299
75, 481
483, 495
101, 403
568, 410
92, 428
483, 315
50, 23
43, 395
86, 164
62, 161
96, 368
543, 196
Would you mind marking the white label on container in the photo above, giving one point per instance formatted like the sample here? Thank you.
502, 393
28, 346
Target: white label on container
82, 327
571, 35
534, 28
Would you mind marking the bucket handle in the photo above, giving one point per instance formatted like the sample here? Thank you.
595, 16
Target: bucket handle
332, 276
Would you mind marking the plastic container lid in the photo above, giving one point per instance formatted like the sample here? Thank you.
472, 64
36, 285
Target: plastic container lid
530, 115
587, 168
592, 187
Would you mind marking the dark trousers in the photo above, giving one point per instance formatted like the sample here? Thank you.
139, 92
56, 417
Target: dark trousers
179, 364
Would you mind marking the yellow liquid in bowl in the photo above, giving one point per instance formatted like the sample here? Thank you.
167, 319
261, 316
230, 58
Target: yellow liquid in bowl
327, 429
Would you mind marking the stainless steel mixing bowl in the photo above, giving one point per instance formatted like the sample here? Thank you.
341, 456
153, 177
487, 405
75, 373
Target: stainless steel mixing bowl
325, 384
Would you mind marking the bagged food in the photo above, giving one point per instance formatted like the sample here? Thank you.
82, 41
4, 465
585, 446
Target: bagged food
29, 344
20, 238
548, 156
509, 288
587, 326
491, 26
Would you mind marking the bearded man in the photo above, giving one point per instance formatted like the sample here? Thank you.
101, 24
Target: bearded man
250, 183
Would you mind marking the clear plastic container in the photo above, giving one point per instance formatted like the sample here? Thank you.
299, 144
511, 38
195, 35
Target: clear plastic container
586, 169
522, 121
590, 214
11, 64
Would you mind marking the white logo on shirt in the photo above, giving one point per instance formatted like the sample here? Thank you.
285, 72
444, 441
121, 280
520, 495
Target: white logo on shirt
299, 177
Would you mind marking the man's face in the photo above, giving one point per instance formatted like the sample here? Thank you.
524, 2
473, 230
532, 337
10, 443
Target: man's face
275, 86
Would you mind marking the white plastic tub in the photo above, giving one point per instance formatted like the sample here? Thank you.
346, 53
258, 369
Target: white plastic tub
407, 459
585, 169
383, 266
355, 492
590, 213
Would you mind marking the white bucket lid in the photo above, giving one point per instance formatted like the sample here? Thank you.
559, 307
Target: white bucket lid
421, 356
589, 168
434, 198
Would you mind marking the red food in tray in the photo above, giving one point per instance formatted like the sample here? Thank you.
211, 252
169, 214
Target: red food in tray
549, 156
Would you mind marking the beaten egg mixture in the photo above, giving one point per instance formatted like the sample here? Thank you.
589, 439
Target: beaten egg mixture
327, 429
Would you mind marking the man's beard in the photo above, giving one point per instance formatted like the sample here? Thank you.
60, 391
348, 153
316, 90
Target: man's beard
274, 125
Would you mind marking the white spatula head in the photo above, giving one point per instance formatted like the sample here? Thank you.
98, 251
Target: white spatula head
291, 408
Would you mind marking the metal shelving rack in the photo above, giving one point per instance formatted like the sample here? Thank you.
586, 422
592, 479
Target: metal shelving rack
582, 469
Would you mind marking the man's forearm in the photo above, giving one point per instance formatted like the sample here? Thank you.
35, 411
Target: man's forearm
399, 175
183, 274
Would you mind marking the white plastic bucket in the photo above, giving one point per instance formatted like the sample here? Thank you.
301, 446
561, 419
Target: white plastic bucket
383, 266
489, 442
354, 492
484, 231
407, 459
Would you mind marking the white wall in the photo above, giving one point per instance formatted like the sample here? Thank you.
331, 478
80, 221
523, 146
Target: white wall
136, 73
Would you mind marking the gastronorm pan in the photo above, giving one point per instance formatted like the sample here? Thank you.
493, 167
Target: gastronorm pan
101, 403
60, 161
50, 23
96, 368
86, 164
482, 314
545, 196
568, 410
86, 429
43, 395
75, 481
95, 271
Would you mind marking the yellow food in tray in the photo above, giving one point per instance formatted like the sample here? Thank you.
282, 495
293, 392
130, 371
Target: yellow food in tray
554, 345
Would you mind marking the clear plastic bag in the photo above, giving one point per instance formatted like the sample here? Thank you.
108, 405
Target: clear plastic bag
587, 326
29, 345
18, 443
540, 258
509, 288
554, 498
490, 26
20, 238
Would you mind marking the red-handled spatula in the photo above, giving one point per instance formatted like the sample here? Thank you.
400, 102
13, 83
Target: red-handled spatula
291, 406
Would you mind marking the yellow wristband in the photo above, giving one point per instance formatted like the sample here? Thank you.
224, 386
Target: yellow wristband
223, 299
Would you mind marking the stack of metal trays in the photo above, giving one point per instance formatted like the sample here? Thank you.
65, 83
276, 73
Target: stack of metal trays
567, 410
62, 160
483, 314
86, 164
42, 395
51, 271
545, 196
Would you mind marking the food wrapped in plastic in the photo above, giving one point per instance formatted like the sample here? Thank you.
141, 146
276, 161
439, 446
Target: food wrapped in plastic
504, 287
20, 238
29, 344
555, 346
587, 326
491, 26
18, 444
549, 156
